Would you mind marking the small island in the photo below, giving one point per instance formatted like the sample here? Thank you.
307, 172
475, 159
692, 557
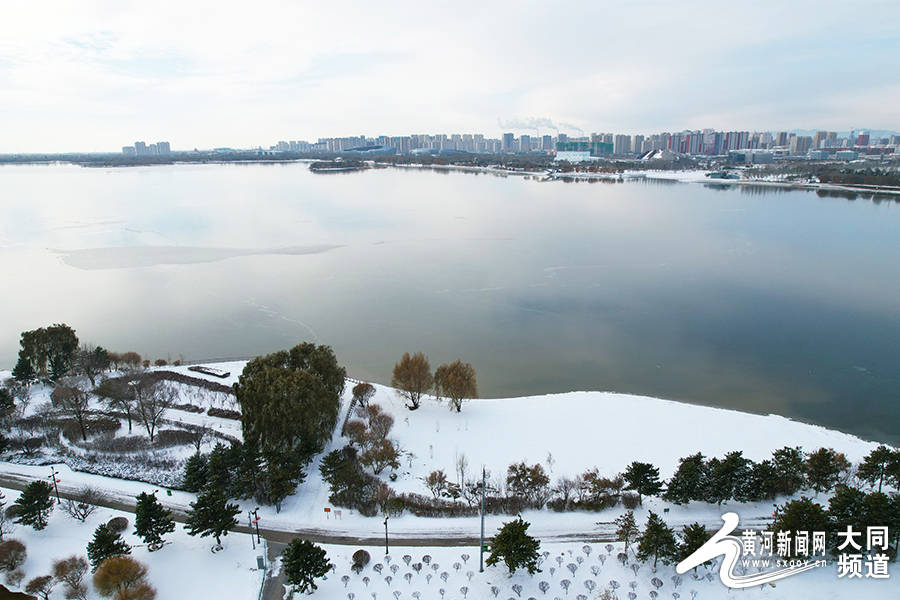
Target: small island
337, 166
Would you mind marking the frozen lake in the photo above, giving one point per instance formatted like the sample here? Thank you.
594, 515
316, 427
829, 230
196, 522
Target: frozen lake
761, 299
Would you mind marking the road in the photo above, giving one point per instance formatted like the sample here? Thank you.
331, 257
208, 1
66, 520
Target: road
277, 539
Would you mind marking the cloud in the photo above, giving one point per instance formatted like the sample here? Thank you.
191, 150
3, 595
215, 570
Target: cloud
95, 75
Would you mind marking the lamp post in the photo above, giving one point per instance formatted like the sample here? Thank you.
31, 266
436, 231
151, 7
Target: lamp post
385, 534
55, 481
481, 545
250, 524
256, 520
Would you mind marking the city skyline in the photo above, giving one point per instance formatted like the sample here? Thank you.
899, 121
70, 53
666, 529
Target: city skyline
77, 78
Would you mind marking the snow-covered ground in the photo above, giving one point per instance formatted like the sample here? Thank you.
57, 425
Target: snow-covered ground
184, 568
599, 567
567, 433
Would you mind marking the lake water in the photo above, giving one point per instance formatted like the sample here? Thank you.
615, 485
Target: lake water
753, 298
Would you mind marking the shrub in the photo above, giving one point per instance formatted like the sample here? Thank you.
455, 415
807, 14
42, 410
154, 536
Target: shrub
93, 426
363, 392
83, 504
71, 572
224, 413
191, 408
12, 555
119, 576
160, 362
360, 559
630, 500
123, 444
394, 506
423, 506
174, 437
117, 524
14, 578
41, 586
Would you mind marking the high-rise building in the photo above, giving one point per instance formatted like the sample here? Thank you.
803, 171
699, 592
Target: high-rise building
163, 147
622, 144
781, 139
547, 143
863, 139
524, 143
800, 144
637, 144
819, 139
508, 142
140, 148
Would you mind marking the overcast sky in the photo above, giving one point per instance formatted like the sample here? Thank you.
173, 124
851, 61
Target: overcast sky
97, 75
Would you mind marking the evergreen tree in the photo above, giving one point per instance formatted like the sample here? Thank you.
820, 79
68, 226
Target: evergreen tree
350, 486
301, 562
643, 478
878, 466
24, 371
762, 483
212, 515
800, 515
626, 529
789, 467
689, 481
693, 536
223, 466
106, 543
291, 399
34, 505
152, 520
824, 468
195, 473
283, 473
657, 541
515, 547
62, 345
727, 477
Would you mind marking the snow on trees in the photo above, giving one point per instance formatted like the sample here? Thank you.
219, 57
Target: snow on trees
152, 520
302, 562
212, 515
34, 505
105, 544
515, 547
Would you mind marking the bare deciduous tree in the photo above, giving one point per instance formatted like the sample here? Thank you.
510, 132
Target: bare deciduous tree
72, 398
83, 504
457, 382
152, 399
91, 360
412, 378
118, 394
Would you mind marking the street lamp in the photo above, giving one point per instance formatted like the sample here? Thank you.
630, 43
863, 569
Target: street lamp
385, 534
250, 525
55, 482
256, 520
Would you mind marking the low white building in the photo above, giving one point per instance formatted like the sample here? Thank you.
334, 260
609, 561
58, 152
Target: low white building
574, 156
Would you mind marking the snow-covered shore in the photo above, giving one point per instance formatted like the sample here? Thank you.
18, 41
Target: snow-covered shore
566, 433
